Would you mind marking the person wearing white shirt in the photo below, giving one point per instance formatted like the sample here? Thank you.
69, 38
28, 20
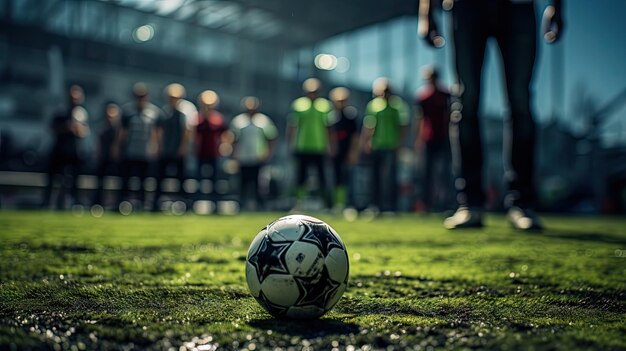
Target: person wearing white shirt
254, 139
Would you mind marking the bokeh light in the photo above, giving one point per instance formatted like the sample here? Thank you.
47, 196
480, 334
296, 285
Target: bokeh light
326, 62
143, 33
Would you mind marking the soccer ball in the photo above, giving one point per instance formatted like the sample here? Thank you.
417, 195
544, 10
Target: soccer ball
297, 267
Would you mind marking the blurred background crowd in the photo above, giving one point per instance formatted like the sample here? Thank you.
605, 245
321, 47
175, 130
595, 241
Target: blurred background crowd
184, 105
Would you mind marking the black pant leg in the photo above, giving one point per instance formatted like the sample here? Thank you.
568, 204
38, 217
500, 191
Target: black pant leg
302, 161
54, 168
125, 173
100, 173
338, 170
392, 172
319, 162
141, 172
377, 170
470, 39
74, 172
517, 40
162, 165
250, 184
244, 185
180, 175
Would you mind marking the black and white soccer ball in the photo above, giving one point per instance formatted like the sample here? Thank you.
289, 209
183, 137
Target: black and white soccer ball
297, 267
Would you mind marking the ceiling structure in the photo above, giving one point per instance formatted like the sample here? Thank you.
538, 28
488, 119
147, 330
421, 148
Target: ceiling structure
292, 22
237, 45
201, 29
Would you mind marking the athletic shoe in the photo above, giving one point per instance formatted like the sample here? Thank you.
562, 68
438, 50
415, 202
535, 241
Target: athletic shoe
523, 219
464, 217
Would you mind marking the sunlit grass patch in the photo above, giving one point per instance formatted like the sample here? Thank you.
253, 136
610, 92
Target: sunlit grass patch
155, 281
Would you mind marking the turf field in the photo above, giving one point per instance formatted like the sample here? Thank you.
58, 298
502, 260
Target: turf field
165, 282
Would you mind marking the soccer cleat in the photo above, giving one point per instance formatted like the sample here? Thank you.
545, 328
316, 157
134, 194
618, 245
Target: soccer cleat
464, 217
523, 219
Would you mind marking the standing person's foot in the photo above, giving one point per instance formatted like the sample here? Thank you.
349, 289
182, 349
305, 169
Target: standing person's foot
350, 214
371, 212
297, 207
464, 217
524, 219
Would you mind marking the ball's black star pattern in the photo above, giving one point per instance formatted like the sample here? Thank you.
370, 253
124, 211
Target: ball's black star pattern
270, 258
315, 291
274, 310
322, 236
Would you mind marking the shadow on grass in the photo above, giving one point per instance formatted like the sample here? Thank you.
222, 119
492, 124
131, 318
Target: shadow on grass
306, 329
383, 291
60, 247
578, 236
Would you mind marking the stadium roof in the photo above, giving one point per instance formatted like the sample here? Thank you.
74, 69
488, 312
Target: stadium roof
289, 21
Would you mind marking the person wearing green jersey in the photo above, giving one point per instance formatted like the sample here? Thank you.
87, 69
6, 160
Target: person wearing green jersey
384, 128
309, 137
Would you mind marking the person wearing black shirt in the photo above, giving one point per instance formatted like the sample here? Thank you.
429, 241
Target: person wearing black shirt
68, 127
173, 137
346, 140
106, 140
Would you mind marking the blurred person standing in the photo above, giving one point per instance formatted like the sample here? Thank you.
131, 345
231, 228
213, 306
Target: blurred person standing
210, 127
104, 147
513, 26
346, 145
309, 137
137, 140
254, 140
173, 138
384, 129
69, 127
432, 140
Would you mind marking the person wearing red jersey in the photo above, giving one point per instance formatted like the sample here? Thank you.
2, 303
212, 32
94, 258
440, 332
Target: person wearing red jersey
209, 129
432, 141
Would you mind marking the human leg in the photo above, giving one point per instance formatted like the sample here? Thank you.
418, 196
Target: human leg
517, 41
302, 162
141, 171
180, 175
100, 173
74, 168
471, 31
54, 165
319, 162
162, 165
470, 38
214, 165
339, 182
391, 160
376, 194
256, 188
427, 185
246, 184
125, 173
199, 179
250, 195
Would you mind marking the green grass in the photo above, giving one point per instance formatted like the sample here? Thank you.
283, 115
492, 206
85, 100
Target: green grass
156, 281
